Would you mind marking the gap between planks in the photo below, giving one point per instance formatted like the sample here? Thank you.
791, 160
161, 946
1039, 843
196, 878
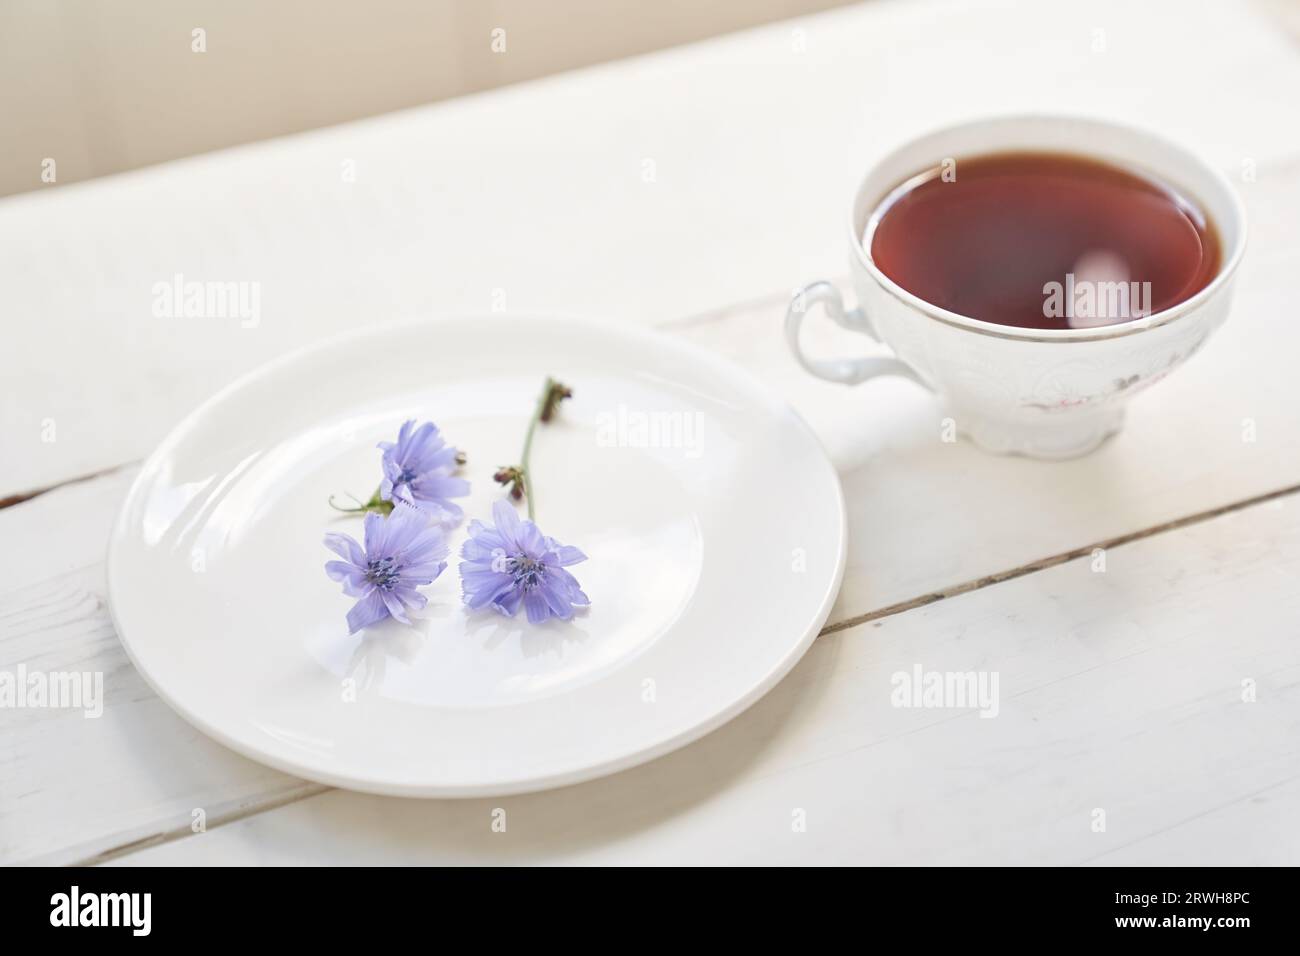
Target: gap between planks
313, 790
1289, 165
1064, 557
668, 325
171, 836
23, 496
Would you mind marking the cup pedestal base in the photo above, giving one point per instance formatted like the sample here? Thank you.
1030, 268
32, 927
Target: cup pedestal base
1056, 440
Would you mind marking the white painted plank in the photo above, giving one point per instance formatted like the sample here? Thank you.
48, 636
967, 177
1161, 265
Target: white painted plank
1260, 828
1119, 691
71, 785
534, 198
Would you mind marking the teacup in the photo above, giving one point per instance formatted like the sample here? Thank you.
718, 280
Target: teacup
1044, 393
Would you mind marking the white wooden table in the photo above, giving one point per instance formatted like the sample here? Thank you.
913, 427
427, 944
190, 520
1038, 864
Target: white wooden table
691, 190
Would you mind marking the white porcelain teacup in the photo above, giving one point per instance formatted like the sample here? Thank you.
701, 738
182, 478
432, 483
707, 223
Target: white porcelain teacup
1045, 393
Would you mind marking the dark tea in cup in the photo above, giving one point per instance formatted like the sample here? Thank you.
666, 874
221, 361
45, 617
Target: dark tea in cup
1043, 240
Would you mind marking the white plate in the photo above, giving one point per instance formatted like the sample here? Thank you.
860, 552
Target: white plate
713, 523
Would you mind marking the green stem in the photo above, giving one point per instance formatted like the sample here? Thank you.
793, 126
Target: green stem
528, 445
376, 504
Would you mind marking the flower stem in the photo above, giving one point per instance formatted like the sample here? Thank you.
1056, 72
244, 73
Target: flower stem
375, 504
542, 402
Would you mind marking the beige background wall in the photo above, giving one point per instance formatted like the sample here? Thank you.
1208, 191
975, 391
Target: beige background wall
101, 87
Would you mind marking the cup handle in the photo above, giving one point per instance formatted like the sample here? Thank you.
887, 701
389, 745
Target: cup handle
844, 371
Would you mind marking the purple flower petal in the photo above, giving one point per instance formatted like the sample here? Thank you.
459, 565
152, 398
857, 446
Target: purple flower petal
444, 512
369, 610
508, 603
345, 547
532, 541
413, 599
405, 527
513, 563
535, 606
423, 573
567, 554
375, 530
482, 543
507, 524
439, 486
352, 577
558, 603
485, 587
394, 606
418, 470
428, 547
401, 553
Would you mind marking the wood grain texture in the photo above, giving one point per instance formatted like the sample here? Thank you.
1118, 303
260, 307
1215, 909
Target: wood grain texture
72, 786
1119, 691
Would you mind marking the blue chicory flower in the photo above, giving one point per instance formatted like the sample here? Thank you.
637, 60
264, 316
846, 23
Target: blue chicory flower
418, 471
402, 552
515, 563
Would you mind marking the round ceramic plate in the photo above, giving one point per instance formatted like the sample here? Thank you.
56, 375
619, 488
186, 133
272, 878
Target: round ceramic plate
713, 524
